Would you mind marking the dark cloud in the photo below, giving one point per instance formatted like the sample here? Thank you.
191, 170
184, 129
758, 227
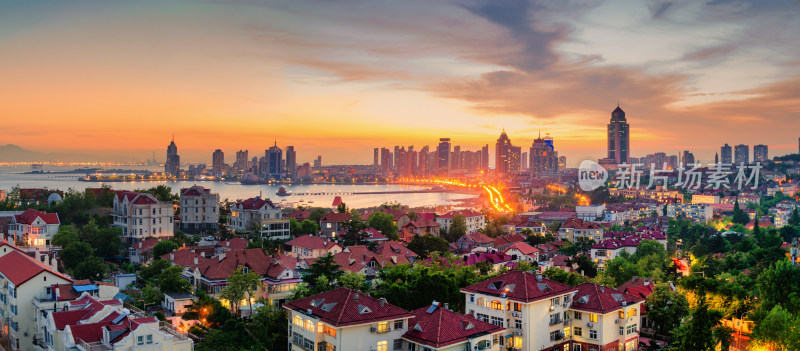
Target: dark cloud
710, 53
658, 10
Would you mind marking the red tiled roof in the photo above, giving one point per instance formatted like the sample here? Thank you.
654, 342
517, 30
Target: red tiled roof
479, 238
30, 215
312, 242
89, 333
147, 244
185, 258
343, 307
491, 257
596, 298
373, 235
391, 248
465, 213
300, 215
254, 203
145, 199
220, 269
19, 267
524, 248
233, 244
194, 191
337, 201
335, 217
508, 239
64, 318
443, 327
519, 286
576, 223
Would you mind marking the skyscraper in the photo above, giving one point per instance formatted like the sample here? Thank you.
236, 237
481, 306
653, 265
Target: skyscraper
242, 160
217, 161
524, 159
274, 155
375, 157
173, 163
455, 158
741, 154
386, 160
514, 159
726, 154
291, 162
760, 153
543, 159
485, 157
618, 137
422, 159
443, 157
688, 158
502, 150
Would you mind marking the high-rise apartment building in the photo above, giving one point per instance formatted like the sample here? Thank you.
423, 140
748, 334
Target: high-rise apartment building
618, 137
543, 159
386, 160
375, 157
524, 161
562, 163
173, 163
760, 153
274, 156
726, 154
291, 162
443, 157
242, 160
741, 154
217, 161
485, 157
688, 158
514, 159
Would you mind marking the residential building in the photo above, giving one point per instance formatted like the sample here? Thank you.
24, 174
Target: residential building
217, 162
474, 240
176, 303
141, 215
603, 318
531, 307
523, 222
332, 223
618, 137
309, 246
543, 158
199, 210
141, 252
760, 153
474, 219
436, 328
242, 160
33, 227
688, 158
696, 212
741, 154
590, 213
521, 251
614, 243
705, 198
345, 320
259, 215
726, 154
23, 280
576, 229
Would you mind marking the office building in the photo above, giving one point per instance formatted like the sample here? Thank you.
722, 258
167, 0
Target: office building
274, 156
443, 160
726, 154
502, 154
688, 158
173, 163
618, 137
760, 153
543, 159
485, 158
291, 162
217, 162
741, 154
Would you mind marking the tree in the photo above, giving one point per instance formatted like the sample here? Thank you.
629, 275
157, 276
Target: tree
66, 234
161, 192
666, 309
75, 253
384, 223
323, 267
269, 326
152, 272
525, 266
795, 218
564, 277
427, 244
241, 284
739, 216
308, 227
355, 281
170, 280
341, 208
774, 290
164, 247
92, 267
698, 332
779, 330
621, 270
316, 214
458, 228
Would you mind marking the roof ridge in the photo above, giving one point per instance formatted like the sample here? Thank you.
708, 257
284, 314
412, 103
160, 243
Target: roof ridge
344, 306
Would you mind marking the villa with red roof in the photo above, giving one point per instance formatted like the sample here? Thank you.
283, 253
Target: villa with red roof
24, 280
199, 210
522, 251
33, 227
141, 216
437, 328
142, 251
471, 241
615, 242
422, 226
310, 246
522, 222
396, 248
331, 223
604, 318
230, 244
503, 242
345, 319
475, 220
261, 215
373, 235
574, 229
92, 324
531, 307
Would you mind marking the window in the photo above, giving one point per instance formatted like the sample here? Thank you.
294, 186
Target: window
578, 315
517, 306
518, 323
497, 321
566, 315
140, 340
555, 301
621, 314
621, 330
309, 325
149, 338
383, 327
14, 309
517, 342
298, 321
497, 305
631, 312
577, 347
555, 335
578, 331
592, 334
567, 330
398, 324
554, 318
593, 318
471, 298
482, 302
308, 344
383, 346
398, 344
482, 317
631, 329
329, 331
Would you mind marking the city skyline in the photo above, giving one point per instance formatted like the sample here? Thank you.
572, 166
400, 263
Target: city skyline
244, 73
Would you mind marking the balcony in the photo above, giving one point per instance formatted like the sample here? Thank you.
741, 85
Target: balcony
555, 321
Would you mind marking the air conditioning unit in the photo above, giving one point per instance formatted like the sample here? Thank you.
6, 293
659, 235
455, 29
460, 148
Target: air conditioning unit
517, 332
589, 324
516, 314
618, 321
373, 329
566, 322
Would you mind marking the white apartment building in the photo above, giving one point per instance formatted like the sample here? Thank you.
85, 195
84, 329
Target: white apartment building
141, 215
574, 229
23, 279
696, 212
475, 220
33, 227
199, 210
346, 320
590, 213
260, 214
543, 314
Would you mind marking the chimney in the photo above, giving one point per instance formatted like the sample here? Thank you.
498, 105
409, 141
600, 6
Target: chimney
446, 306
172, 256
602, 288
221, 256
355, 297
538, 277
228, 243
195, 260
381, 301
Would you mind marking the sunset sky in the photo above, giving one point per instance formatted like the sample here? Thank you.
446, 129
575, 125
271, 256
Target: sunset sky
337, 78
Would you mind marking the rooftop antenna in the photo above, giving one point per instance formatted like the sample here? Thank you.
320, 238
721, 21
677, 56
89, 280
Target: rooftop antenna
173, 137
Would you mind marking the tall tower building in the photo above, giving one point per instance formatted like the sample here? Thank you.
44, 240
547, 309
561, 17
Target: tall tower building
502, 150
726, 154
514, 159
274, 156
375, 157
618, 137
242, 160
443, 157
217, 161
688, 158
386, 160
485, 157
760, 153
741, 154
455, 158
173, 163
543, 159
291, 162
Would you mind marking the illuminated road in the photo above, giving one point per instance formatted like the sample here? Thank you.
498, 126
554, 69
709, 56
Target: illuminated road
496, 198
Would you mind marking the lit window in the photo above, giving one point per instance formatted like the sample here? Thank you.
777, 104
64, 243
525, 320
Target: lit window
497, 305
383, 345
631, 312
309, 325
383, 327
298, 321
593, 318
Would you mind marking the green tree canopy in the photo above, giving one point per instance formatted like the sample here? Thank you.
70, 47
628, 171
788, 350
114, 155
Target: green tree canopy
666, 309
458, 228
164, 247
427, 244
384, 223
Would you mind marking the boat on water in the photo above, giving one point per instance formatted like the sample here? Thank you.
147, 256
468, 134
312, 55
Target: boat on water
283, 192
37, 166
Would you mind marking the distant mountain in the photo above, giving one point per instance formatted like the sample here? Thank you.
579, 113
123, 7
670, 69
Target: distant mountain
15, 153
